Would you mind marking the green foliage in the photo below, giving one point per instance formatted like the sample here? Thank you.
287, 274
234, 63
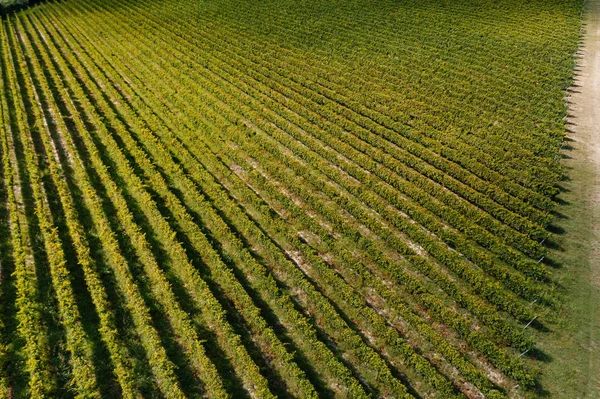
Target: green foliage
295, 199
12, 3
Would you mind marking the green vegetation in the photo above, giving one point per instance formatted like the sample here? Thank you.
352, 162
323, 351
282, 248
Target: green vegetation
7, 4
280, 198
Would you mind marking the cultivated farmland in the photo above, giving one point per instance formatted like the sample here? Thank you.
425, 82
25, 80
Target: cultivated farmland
285, 198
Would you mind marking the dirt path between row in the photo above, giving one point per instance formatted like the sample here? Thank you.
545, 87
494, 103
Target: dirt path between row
574, 343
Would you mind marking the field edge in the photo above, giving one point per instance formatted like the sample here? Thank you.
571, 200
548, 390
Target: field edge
573, 344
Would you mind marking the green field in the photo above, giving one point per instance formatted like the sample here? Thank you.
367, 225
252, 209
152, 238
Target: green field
292, 198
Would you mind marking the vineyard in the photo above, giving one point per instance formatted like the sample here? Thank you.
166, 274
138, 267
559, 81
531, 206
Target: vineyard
218, 198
